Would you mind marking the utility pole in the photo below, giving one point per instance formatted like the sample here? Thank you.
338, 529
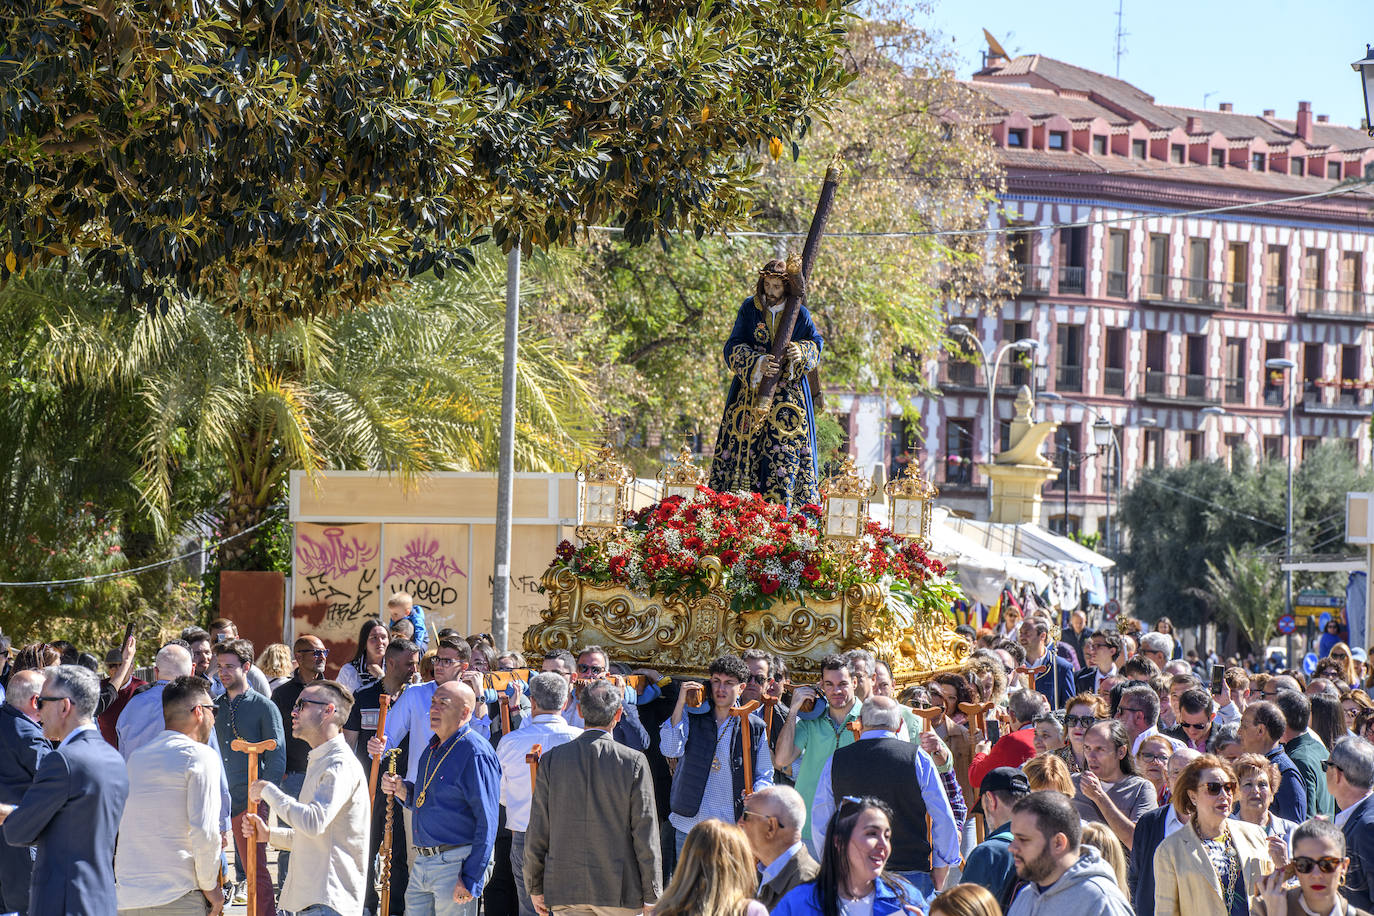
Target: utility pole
505, 471
1121, 33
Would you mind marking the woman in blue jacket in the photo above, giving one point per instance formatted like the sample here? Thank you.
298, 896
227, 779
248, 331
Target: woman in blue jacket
858, 841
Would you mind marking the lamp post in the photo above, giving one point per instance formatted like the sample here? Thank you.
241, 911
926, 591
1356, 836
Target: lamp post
990, 366
1287, 366
1104, 435
1366, 70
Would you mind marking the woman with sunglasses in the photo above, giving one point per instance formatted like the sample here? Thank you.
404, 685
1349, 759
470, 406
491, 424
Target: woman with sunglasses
1257, 776
852, 880
1082, 713
1320, 863
1211, 865
1331, 635
1340, 654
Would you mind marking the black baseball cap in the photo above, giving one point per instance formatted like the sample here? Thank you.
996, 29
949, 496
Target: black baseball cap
1005, 779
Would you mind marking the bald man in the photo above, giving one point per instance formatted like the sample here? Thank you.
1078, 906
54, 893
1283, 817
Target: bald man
141, 720
772, 821
454, 797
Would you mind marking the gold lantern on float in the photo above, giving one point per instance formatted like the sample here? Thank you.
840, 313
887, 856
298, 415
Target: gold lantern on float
603, 494
910, 500
683, 478
845, 496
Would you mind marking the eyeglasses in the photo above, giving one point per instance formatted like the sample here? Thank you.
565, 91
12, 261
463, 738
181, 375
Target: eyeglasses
300, 704
1153, 758
210, 706
43, 699
1216, 788
1196, 726
1080, 721
318, 653
1121, 709
747, 813
440, 660
591, 669
1304, 864
759, 679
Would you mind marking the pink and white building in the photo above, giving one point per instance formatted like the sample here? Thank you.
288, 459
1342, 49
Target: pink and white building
1149, 316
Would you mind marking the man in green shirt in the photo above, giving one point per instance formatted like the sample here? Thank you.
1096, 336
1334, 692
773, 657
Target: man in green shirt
812, 737
1307, 752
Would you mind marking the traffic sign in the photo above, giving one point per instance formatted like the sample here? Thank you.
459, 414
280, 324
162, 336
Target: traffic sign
1287, 624
1112, 608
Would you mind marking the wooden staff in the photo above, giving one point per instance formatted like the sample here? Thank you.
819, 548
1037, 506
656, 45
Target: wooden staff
928, 715
768, 704
695, 695
384, 892
856, 728
977, 713
503, 700
253, 749
532, 758
384, 704
742, 713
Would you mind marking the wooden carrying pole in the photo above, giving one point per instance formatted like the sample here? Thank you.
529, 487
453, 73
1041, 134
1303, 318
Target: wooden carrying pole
384, 892
928, 715
532, 758
768, 706
384, 705
746, 742
253, 749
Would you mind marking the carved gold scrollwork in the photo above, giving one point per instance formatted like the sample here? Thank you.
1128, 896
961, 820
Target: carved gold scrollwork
617, 618
800, 631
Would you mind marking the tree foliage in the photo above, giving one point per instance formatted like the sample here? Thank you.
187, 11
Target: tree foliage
653, 319
1247, 590
1181, 522
285, 158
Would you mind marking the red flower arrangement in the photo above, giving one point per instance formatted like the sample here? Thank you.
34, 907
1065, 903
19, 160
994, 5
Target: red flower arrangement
767, 553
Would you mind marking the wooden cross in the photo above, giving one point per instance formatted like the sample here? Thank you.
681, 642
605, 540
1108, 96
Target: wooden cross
253, 749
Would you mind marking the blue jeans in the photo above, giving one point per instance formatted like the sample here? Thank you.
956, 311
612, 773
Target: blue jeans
517, 866
315, 909
924, 884
432, 880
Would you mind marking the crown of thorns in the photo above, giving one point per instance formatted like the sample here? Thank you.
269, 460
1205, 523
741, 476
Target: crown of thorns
770, 271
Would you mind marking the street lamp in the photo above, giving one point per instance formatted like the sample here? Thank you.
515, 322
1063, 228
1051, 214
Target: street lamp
1104, 437
1366, 70
990, 365
1223, 412
1287, 366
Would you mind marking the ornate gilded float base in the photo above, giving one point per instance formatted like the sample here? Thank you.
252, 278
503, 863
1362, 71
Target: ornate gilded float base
679, 634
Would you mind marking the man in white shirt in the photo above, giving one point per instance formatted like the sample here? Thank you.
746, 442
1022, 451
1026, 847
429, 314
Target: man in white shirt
326, 830
547, 728
168, 859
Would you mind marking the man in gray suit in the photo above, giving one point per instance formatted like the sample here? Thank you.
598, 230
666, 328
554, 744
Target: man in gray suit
604, 858
772, 821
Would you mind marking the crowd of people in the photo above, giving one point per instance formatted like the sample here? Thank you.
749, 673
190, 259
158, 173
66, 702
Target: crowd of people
1099, 771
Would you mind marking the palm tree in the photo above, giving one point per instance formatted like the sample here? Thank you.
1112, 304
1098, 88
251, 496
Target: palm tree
1247, 591
408, 386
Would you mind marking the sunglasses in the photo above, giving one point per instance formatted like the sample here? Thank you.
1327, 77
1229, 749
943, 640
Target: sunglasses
42, 699
590, 669
747, 814
759, 679
1328, 765
1080, 721
300, 704
1304, 864
1341, 657
318, 653
1215, 788
1195, 726
210, 706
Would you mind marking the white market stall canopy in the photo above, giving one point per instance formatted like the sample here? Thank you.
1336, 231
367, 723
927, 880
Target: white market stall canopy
1072, 568
981, 572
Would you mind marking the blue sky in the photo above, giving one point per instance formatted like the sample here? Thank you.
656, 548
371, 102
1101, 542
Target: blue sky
1257, 54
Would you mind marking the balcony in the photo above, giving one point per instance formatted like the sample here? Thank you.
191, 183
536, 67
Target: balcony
1072, 280
1010, 377
1116, 283
1174, 388
1035, 278
958, 470
1234, 391
960, 374
1068, 378
1237, 294
1185, 292
1113, 381
1332, 397
1336, 304
1276, 299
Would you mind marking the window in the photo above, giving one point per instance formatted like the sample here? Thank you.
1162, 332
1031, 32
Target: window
1153, 450
1237, 258
1276, 278
1069, 358
1192, 446
1156, 358
1195, 382
1058, 526
1073, 257
1333, 171
1219, 158
1016, 371
1313, 277
1273, 447
1273, 381
1099, 145
1114, 374
1177, 153
958, 458
1235, 370
1369, 171
1309, 447
1297, 166
1116, 262
1351, 271
1198, 252
1067, 451
1016, 137
1233, 442
1257, 162
1159, 265
959, 363
1058, 139
1138, 150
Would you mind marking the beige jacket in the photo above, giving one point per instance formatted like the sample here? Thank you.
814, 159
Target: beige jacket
1184, 871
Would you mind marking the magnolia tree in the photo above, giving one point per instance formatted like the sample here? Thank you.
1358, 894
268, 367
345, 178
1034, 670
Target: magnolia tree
283, 158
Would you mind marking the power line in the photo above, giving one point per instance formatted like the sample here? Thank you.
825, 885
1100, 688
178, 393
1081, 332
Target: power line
1010, 230
1208, 502
124, 573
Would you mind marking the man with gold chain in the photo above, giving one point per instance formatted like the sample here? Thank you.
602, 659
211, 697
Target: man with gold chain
454, 797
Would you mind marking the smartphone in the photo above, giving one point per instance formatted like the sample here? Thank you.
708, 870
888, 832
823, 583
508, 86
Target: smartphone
994, 731
128, 631
1218, 671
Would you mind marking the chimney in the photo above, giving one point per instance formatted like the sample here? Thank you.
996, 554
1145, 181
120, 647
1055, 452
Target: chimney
1224, 106
1323, 119
1305, 121
1193, 125
1268, 112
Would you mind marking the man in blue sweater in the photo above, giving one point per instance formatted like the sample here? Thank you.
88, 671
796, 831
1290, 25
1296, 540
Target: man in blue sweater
990, 863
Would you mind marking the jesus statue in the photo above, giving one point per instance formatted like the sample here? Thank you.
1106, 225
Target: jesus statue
776, 457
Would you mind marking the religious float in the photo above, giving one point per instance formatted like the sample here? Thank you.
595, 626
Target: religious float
701, 573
